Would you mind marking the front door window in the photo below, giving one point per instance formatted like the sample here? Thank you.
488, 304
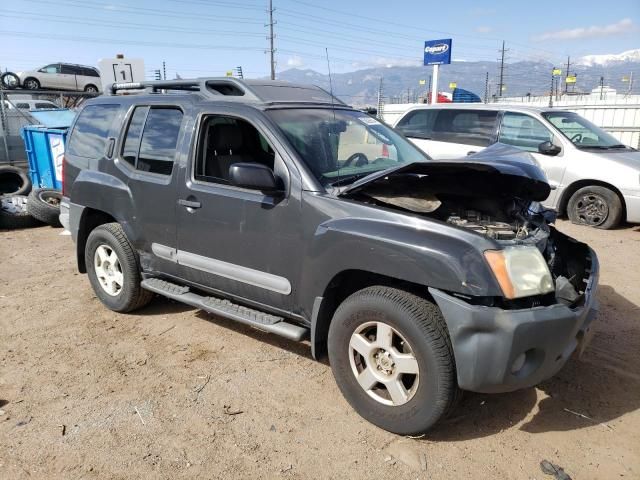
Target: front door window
523, 131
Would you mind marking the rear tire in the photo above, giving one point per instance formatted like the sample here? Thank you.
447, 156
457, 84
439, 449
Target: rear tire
114, 269
595, 206
44, 205
418, 331
91, 89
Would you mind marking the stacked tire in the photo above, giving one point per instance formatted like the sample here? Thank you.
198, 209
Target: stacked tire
14, 181
23, 207
14, 214
44, 205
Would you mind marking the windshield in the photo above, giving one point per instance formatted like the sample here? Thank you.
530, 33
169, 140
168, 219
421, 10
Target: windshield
581, 132
340, 146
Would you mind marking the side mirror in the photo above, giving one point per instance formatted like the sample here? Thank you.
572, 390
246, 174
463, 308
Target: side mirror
254, 176
548, 148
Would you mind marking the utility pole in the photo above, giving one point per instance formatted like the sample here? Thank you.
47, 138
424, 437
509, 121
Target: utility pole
551, 89
601, 87
272, 50
566, 85
501, 82
429, 91
164, 71
380, 99
486, 88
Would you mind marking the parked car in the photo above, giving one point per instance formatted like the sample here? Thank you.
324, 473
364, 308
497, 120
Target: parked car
24, 104
595, 178
61, 76
418, 278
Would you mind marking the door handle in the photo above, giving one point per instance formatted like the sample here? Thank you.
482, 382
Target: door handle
471, 152
189, 203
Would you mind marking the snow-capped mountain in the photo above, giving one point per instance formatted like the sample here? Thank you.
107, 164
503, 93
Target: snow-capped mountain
592, 60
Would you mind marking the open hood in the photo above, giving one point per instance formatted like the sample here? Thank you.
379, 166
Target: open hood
497, 171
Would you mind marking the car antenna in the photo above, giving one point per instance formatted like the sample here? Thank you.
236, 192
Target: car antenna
333, 108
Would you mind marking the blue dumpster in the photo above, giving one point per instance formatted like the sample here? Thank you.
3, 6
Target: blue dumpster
44, 144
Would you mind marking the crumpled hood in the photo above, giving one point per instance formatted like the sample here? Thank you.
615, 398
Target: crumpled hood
515, 171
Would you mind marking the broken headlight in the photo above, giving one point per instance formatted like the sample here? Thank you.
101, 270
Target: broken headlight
520, 271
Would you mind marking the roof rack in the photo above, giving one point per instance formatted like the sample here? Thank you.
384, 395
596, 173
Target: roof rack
234, 89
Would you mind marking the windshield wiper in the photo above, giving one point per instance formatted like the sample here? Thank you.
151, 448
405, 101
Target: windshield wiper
618, 145
349, 179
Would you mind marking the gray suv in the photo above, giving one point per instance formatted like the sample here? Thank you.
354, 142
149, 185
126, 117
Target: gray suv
419, 279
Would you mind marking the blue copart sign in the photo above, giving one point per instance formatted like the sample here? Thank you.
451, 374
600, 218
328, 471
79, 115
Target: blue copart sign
437, 52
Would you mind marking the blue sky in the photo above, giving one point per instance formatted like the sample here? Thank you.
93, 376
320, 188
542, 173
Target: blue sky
200, 37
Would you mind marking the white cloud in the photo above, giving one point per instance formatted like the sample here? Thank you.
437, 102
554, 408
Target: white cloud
623, 26
386, 62
295, 62
483, 29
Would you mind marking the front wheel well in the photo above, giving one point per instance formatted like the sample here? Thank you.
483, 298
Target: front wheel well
339, 288
575, 186
88, 222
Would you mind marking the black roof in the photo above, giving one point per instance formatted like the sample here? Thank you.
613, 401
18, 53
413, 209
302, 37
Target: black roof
229, 89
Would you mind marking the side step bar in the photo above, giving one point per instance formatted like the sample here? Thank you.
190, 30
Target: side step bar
225, 308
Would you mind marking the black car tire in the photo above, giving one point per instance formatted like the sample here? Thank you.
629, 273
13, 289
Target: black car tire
14, 181
9, 80
31, 84
131, 295
420, 323
91, 89
13, 213
595, 206
44, 205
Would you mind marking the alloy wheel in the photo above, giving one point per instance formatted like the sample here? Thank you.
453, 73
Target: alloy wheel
108, 270
592, 209
383, 363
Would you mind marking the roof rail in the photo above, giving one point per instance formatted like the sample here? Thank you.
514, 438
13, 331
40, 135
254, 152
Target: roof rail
210, 87
268, 92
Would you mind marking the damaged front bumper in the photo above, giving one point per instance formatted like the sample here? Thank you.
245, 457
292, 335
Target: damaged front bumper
498, 350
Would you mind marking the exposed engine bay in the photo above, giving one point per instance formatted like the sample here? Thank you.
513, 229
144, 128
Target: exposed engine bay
502, 207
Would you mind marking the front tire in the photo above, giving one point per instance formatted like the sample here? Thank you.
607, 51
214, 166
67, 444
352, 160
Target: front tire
91, 89
595, 206
391, 356
114, 270
31, 84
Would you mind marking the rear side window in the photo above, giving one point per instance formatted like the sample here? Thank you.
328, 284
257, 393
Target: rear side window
418, 124
523, 131
90, 133
152, 138
70, 70
45, 105
468, 127
22, 106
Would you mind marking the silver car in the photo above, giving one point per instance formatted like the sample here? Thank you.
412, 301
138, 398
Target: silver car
595, 178
62, 76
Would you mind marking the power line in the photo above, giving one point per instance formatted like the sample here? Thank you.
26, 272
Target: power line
124, 42
119, 9
123, 25
404, 26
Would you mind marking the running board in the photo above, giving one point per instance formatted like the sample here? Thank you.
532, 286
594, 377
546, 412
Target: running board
225, 308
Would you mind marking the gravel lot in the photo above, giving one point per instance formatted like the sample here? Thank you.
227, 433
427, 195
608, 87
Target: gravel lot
172, 392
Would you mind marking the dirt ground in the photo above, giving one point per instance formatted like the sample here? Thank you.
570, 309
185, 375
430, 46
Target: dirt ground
172, 392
